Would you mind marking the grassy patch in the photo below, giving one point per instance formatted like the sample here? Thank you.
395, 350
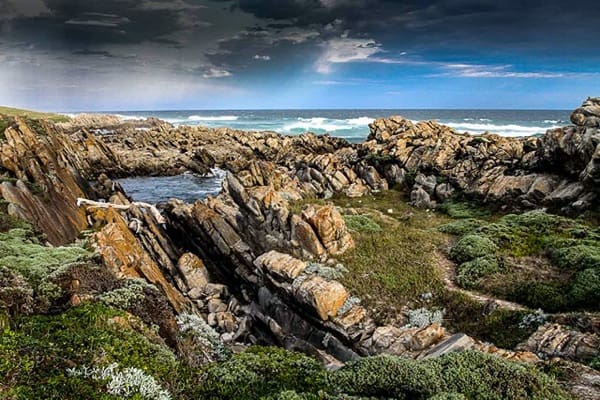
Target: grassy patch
16, 112
538, 259
501, 327
462, 210
394, 261
361, 223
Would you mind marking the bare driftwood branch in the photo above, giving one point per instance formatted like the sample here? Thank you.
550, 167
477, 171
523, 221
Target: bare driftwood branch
153, 210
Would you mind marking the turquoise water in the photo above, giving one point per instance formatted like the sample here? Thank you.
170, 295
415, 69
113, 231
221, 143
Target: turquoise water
354, 124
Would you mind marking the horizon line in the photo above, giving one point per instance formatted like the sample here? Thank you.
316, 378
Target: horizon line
309, 109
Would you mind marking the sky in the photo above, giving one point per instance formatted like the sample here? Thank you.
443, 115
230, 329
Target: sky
98, 55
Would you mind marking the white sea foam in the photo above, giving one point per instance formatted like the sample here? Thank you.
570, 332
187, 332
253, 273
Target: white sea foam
128, 117
213, 118
325, 124
503, 130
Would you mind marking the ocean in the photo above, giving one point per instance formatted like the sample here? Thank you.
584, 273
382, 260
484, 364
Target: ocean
353, 124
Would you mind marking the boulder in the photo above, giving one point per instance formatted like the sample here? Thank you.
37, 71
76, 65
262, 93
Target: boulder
420, 198
554, 340
428, 183
323, 296
588, 114
330, 227
193, 271
456, 342
280, 265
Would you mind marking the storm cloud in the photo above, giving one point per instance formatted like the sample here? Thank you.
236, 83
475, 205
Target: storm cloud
68, 54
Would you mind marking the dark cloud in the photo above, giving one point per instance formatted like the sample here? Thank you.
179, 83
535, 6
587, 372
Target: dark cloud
254, 40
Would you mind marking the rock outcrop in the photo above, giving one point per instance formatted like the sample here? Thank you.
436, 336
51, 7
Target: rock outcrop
558, 170
554, 340
44, 172
588, 114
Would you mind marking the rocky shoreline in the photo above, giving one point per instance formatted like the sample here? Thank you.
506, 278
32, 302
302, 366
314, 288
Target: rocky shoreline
260, 261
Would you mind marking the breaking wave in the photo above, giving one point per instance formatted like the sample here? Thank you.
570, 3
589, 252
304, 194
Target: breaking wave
213, 118
321, 125
503, 130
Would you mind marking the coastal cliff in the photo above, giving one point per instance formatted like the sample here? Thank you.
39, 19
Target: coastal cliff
282, 254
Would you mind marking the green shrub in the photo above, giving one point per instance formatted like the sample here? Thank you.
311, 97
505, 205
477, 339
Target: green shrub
20, 252
577, 257
16, 295
470, 247
483, 376
471, 272
595, 363
448, 396
549, 296
472, 374
387, 376
361, 223
125, 297
461, 227
463, 210
35, 354
585, 291
537, 221
261, 372
499, 233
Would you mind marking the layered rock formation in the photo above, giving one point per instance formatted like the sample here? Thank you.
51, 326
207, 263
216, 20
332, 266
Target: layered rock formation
258, 261
558, 170
43, 174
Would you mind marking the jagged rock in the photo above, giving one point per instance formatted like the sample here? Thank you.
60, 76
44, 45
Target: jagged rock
226, 321
330, 228
193, 271
420, 198
428, 183
444, 191
395, 174
426, 337
554, 340
215, 290
47, 168
557, 170
196, 294
456, 342
216, 306
325, 297
123, 254
303, 234
356, 190
582, 381
588, 114
280, 265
